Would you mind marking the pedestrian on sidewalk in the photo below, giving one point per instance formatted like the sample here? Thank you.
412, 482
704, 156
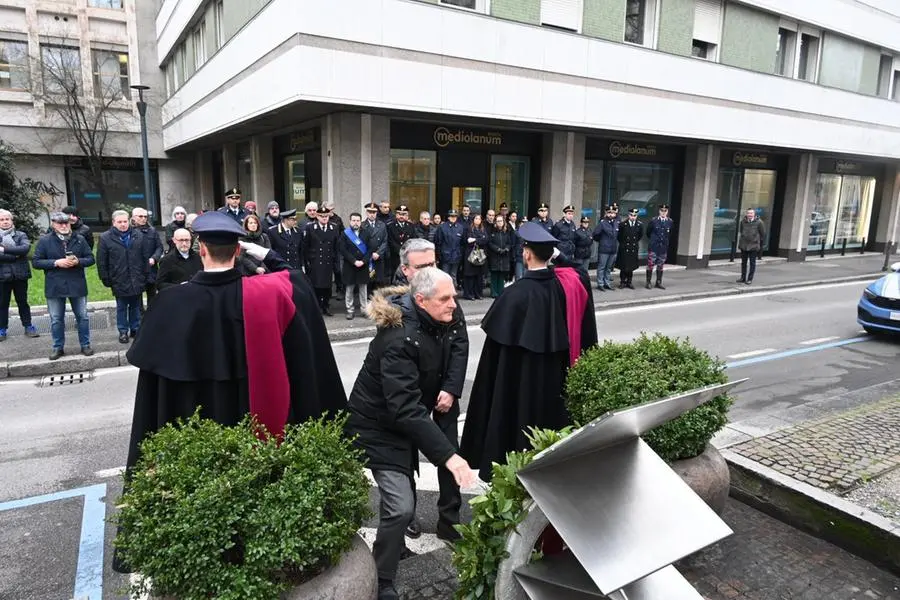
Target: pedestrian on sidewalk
564, 231
14, 274
179, 215
181, 264
122, 266
78, 226
232, 206
375, 235
630, 233
357, 266
501, 245
287, 239
153, 249
751, 236
477, 256
659, 230
449, 242
248, 265
583, 243
397, 388
64, 256
320, 248
606, 234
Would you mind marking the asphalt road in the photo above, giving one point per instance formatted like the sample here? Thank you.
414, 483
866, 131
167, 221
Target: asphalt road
796, 346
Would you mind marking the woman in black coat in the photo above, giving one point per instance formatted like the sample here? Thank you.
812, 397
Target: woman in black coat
501, 246
248, 265
472, 274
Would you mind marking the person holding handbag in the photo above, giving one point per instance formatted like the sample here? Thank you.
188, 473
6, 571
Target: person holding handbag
476, 259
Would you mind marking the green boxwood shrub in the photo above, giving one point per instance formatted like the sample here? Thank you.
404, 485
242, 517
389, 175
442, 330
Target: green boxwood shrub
217, 512
616, 375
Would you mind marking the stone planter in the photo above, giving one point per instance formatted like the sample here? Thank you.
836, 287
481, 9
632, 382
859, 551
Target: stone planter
707, 475
353, 578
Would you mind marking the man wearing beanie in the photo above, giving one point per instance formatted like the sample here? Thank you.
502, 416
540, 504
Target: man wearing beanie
273, 214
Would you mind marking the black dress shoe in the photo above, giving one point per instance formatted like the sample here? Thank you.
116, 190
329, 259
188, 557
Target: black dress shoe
133, 334
447, 533
414, 529
629, 286
387, 591
87, 351
123, 338
57, 352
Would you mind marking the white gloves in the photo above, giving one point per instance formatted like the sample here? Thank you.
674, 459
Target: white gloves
255, 250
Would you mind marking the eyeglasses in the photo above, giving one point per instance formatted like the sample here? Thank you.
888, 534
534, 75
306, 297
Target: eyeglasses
422, 266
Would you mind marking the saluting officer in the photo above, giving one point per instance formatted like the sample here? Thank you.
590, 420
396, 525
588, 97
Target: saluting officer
543, 217
399, 230
630, 233
287, 240
658, 232
564, 231
320, 240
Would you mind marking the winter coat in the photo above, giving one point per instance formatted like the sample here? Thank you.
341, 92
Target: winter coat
321, 254
448, 242
658, 233
398, 234
583, 243
153, 248
629, 245
501, 245
564, 231
406, 367
350, 252
606, 234
288, 243
481, 241
751, 235
175, 270
426, 234
123, 268
375, 236
59, 282
84, 231
546, 224
518, 247
269, 221
239, 217
170, 230
246, 263
14, 258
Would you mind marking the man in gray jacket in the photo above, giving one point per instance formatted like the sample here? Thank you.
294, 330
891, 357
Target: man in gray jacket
751, 237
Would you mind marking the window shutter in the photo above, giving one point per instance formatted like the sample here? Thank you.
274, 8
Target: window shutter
561, 13
707, 19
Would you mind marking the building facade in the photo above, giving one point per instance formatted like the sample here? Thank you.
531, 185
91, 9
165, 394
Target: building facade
709, 106
98, 48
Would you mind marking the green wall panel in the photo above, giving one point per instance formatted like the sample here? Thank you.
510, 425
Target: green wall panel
526, 11
238, 12
868, 80
676, 26
749, 38
604, 19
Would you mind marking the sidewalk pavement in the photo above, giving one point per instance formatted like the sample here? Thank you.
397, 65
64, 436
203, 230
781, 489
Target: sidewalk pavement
27, 357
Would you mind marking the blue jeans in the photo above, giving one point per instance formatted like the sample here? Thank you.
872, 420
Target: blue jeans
605, 263
128, 313
57, 309
450, 269
519, 270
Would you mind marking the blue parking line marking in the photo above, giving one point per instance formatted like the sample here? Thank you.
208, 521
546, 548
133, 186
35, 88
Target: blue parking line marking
788, 353
89, 573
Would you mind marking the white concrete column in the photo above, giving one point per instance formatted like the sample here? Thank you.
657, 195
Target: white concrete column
695, 221
263, 182
799, 191
355, 160
562, 172
229, 173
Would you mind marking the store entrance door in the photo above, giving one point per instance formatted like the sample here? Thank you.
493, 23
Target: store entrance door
740, 189
462, 179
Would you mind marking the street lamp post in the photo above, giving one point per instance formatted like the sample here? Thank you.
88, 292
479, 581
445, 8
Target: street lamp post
142, 109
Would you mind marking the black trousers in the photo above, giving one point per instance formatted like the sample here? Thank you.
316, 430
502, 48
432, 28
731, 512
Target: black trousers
626, 276
20, 289
748, 255
472, 286
324, 297
449, 497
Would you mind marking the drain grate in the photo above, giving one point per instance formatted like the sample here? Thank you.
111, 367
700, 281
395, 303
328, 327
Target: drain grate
66, 379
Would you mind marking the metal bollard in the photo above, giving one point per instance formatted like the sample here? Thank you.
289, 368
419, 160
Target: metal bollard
888, 250
844, 247
733, 251
862, 248
822, 250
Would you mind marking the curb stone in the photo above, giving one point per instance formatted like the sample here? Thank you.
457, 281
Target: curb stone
820, 513
41, 366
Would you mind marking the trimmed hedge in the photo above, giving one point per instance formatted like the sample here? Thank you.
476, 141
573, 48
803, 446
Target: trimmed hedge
617, 375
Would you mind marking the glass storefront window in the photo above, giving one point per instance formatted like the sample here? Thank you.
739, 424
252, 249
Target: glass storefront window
759, 194
120, 189
842, 210
740, 189
509, 182
473, 196
592, 191
413, 180
640, 185
295, 182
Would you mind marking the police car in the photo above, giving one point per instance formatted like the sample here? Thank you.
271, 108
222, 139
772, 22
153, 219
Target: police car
879, 308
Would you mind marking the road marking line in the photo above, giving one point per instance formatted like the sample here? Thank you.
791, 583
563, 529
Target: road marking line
821, 340
107, 473
753, 353
795, 352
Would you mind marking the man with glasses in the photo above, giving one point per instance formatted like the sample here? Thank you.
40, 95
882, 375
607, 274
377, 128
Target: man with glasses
232, 206
152, 248
180, 265
415, 255
659, 230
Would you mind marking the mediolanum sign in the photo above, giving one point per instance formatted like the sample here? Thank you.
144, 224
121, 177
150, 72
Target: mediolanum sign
444, 137
618, 149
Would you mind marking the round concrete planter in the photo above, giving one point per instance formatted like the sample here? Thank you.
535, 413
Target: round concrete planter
353, 578
707, 475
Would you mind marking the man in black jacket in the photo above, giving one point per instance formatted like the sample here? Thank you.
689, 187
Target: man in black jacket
397, 388
181, 264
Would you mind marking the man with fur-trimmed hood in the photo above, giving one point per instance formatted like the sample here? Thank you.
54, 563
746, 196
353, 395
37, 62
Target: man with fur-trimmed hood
390, 406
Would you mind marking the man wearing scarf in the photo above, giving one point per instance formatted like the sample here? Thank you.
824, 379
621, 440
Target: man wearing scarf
357, 263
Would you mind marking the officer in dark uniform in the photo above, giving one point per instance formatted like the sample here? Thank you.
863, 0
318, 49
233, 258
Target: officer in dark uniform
374, 234
583, 243
630, 233
543, 217
287, 240
564, 231
320, 251
233, 206
399, 230
659, 230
